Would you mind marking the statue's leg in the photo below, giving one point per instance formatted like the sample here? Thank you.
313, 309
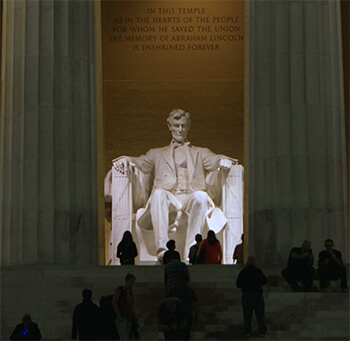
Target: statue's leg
196, 206
159, 208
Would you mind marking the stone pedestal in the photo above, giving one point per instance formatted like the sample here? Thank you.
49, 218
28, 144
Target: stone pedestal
48, 209
297, 161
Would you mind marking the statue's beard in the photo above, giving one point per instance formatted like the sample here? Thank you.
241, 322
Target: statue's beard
179, 138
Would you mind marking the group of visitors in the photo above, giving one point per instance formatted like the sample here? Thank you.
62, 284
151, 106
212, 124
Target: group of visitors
115, 318
300, 267
207, 251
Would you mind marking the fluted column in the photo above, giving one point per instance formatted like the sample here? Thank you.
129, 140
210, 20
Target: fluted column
297, 161
48, 127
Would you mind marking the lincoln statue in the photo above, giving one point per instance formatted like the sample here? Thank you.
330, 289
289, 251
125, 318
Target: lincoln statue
186, 180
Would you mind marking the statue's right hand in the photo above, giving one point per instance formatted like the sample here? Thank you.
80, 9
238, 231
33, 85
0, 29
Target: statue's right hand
122, 164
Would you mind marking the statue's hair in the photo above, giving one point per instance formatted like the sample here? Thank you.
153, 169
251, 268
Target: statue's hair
176, 114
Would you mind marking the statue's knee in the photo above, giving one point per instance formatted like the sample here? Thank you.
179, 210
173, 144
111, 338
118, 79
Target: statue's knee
200, 197
158, 195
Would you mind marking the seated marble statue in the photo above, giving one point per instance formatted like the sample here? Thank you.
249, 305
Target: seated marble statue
182, 194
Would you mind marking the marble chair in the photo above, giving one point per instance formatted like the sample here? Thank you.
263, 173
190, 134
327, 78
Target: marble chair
129, 192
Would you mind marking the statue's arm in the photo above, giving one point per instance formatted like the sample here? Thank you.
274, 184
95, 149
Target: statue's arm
212, 161
144, 162
139, 170
218, 166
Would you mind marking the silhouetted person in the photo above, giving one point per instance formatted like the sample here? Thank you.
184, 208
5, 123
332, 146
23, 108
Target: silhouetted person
107, 329
27, 330
250, 280
176, 274
299, 267
331, 266
238, 254
172, 318
188, 297
194, 249
123, 304
171, 253
210, 251
85, 318
127, 251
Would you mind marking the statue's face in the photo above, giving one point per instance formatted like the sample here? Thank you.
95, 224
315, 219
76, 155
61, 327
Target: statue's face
179, 129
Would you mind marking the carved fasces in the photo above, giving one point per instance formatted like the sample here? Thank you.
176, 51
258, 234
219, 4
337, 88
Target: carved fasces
121, 211
232, 206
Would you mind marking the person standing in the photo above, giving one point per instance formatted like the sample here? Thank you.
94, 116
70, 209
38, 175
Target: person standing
238, 254
331, 266
123, 304
210, 251
176, 275
107, 329
194, 249
27, 330
188, 297
127, 251
250, 280
85, 318
172, 319
171, 253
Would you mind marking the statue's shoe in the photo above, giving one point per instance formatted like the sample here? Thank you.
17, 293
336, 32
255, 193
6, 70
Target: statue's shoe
173, 227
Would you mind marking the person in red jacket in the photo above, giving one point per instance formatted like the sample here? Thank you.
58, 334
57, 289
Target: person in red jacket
123, 304
210, 251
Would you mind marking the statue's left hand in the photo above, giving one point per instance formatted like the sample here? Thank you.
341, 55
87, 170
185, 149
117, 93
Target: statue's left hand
225, 164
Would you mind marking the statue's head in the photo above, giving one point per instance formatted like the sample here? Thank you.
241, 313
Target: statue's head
179, 123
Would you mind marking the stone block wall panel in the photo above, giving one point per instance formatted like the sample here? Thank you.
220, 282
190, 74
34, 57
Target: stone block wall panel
297, 162
49, 205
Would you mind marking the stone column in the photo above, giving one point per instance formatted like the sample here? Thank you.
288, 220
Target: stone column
48, 209
297, 161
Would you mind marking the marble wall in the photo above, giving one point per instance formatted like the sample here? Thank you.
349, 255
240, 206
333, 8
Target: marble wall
48, 204
297, 157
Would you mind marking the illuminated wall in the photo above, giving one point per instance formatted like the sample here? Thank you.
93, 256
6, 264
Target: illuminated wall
158, 56
162, 55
